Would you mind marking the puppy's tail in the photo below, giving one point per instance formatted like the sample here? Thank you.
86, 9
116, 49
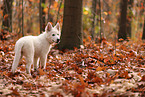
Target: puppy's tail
18, 49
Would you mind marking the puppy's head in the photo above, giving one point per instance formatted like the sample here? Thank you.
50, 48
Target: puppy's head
53, 33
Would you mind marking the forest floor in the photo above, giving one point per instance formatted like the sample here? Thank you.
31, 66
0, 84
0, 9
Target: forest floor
95, 70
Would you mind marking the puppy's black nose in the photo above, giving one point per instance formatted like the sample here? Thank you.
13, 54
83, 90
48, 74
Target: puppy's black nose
57, 40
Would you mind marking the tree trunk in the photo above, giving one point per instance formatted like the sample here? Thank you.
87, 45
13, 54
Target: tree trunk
129, 19
58, 12
143, 36
72, 25
19, 18
41, 16
100, 21
29, 20
123, 20
7, 13
50, 17
22, 18
94, 3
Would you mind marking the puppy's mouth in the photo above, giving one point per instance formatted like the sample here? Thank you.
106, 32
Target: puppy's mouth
58, 40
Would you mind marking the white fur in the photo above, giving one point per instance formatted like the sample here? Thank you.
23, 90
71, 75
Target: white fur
36, 47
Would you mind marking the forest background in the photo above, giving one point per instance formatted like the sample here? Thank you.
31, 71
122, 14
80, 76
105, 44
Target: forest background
26, 19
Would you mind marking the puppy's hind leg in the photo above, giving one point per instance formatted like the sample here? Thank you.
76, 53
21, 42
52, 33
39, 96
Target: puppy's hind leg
29, 54
29, 61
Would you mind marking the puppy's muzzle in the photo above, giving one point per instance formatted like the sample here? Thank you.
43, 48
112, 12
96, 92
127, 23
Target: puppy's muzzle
58, 40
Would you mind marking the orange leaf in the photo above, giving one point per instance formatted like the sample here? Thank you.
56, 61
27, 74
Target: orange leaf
6, 17
89, 37
116, 75
1, 12
109, 12
99, 68
86, 12
105, 13
38, 1
55, 4
45, 10
4, 73
105, 61
82, 80
41, 72
121, 39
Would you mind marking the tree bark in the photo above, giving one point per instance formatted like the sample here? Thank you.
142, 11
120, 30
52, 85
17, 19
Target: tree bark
72, 25
22, 19
100, 21
41, 16
123, 20
143, 36
129, 19
50, 16
7, 13
58, 12
94, 3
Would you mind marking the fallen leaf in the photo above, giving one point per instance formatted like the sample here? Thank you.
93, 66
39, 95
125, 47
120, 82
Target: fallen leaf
41, 72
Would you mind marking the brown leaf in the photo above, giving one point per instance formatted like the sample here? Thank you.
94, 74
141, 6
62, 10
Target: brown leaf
143, 78
79, 87
97, 80
125, 75
15, 92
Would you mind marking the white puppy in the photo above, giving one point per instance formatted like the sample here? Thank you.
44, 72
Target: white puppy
36, 47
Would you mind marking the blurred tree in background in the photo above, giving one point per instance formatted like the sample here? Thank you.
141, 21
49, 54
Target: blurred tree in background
41, 16
129, 17
94, 10
143, 36
7, 15
123, 20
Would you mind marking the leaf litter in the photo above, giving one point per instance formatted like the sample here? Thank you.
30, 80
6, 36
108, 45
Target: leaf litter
95, 70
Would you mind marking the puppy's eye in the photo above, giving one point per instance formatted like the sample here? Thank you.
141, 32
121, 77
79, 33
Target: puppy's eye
53, 34
57, 34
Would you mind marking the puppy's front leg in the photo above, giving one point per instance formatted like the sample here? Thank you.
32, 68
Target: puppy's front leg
43, 60
36, 63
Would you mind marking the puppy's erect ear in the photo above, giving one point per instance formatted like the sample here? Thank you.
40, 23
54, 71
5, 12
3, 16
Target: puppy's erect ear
57, 27
48, 27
